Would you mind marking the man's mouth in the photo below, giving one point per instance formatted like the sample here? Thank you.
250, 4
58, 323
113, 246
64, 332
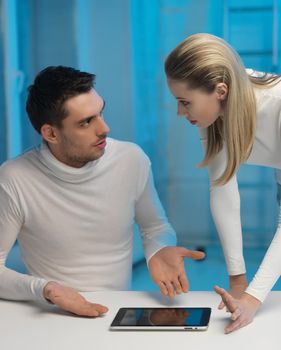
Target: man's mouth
101, 144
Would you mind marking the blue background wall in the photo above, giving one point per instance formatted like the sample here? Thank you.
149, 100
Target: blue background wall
125, 42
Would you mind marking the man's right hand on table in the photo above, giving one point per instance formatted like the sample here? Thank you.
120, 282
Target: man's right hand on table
70, 300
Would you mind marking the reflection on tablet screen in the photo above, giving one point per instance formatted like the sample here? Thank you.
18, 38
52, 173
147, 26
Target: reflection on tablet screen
162, 317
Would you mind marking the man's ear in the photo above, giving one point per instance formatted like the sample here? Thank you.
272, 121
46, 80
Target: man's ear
49, 133
221, 91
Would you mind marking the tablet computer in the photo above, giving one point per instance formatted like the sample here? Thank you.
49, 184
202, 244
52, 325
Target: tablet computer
159, 318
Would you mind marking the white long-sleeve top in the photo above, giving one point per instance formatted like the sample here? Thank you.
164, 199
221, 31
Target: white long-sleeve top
225, 200
75, 226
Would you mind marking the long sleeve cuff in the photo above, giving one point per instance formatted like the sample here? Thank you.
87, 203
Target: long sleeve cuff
17, 286
156, 242
269, 271
235, 266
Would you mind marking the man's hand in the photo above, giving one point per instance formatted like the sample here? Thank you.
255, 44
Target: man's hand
237, 286
68, 299
242, 310
166, 268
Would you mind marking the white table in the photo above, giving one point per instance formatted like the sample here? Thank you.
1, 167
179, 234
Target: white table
30, 326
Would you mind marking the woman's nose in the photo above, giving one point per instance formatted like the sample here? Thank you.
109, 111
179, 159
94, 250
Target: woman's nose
181, 111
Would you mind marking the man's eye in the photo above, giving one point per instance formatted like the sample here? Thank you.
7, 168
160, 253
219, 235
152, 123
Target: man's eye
86, 122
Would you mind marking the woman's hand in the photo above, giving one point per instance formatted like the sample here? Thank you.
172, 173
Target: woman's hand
237, 286
242, 310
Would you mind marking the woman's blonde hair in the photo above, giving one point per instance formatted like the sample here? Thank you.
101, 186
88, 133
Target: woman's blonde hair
203, 61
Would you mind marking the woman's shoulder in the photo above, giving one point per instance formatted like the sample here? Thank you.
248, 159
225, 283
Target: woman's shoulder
270, 94
266, 91
254, 73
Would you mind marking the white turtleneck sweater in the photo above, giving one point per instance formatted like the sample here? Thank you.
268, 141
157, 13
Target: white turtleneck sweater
225, 200
75, 226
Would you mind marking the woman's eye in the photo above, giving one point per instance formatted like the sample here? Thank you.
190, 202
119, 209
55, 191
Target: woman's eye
185, 103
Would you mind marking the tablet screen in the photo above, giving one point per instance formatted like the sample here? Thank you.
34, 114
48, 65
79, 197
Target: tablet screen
196, 317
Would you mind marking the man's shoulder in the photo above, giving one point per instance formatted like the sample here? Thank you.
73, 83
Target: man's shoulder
15, 167
129, 157
126, 149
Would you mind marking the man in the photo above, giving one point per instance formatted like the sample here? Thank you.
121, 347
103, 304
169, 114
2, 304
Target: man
72, 202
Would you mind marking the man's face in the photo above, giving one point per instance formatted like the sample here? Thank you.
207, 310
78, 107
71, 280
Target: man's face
82, 137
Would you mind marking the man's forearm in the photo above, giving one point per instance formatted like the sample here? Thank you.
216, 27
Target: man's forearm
18, 286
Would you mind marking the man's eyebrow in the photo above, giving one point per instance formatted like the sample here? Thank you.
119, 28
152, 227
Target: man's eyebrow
103, 106
92, 116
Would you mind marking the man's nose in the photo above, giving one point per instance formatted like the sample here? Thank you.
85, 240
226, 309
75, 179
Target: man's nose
103, 128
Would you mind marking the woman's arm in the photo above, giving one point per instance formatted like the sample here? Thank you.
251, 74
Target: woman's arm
225, 208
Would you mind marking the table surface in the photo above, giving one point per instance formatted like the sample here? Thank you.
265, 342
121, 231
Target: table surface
26, 325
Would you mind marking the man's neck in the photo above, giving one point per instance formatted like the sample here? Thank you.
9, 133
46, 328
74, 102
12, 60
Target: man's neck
72, 163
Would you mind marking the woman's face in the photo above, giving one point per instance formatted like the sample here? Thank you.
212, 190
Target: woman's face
198, 107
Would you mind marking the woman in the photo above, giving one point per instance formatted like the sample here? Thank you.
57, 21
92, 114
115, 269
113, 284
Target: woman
239, 116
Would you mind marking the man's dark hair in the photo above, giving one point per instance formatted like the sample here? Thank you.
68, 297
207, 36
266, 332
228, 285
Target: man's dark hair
51, 88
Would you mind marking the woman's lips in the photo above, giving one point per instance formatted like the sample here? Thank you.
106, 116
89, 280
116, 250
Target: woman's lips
193, 122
